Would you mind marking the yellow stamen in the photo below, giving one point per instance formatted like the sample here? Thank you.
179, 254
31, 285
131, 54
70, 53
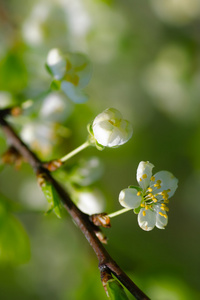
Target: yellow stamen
68, 65
142, 205
144, 176
150, 195
139, 193
73, 78
144, 213
150, 189
154, 200
152, 178
163, 215
157, 185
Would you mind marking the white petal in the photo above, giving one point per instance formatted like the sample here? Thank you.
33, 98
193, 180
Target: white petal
54, 56
144, 173
111, 114
90, 202
56, 63
110, 130
128, 198
102, 132
168, 182
161, 219
115, 138
73, 92
147, 219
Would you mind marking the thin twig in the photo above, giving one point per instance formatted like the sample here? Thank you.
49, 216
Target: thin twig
106, 262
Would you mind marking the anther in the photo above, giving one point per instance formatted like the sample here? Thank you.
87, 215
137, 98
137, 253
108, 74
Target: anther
163, 215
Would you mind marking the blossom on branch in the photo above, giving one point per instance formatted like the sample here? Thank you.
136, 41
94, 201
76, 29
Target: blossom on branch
109, 129
71, 73
150, 199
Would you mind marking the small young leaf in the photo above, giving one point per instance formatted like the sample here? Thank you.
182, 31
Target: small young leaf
115, 290
52, 197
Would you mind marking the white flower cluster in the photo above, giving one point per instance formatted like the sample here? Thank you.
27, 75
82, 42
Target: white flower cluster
150, 199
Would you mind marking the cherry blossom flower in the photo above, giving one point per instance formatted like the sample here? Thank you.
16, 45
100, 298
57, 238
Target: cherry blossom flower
109, 129
151, 198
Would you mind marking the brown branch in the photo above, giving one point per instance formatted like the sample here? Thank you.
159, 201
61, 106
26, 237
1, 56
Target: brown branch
106, 264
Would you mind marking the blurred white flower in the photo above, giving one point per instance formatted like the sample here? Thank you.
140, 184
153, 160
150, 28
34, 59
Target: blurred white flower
55, 108
32, 29
110, 129
178, 12
150, 199
89, 201
72, 73
170, 82
85, 172
39, 136
5, 99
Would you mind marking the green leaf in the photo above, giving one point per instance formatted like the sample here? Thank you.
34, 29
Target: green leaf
14, 241
52, 197
115, 290
13, 72
73, 92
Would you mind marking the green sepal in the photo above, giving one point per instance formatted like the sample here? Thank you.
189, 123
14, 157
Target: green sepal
92, 138
99, 146
52, 197
115, 290
135, 187
49, 70
137, 210
89, 129
55, 85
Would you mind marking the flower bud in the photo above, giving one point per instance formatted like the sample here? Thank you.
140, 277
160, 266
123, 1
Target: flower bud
110, 129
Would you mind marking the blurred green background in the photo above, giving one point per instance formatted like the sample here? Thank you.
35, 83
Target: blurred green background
146, 63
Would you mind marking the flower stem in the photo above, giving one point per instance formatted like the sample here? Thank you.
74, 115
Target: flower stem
119, 212
75, 151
